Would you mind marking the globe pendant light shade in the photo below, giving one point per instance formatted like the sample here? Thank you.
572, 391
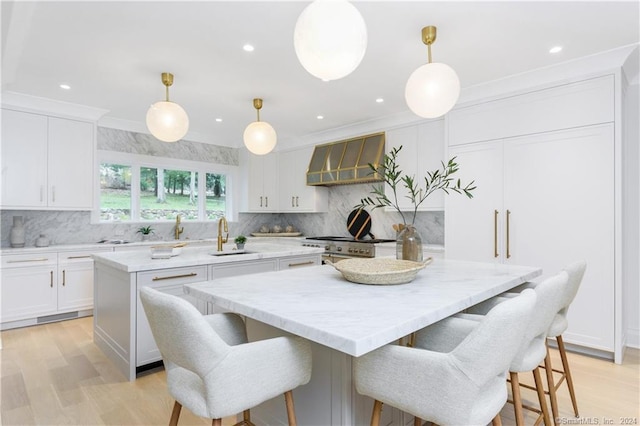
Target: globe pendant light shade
432, 90
260, 138
167, 121
330, 38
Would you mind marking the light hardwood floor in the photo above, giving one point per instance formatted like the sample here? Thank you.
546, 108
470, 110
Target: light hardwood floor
53, 374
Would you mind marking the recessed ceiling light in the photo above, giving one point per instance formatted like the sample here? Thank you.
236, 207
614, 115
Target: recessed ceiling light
219, 120
248, 48
65, 86
320, 117
555, 49
379, 100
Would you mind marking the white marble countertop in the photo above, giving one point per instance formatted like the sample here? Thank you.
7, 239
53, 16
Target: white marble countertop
91, 246
140, 260
318, 304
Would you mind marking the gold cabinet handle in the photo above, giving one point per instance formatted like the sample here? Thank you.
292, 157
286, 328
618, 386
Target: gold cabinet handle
64, 277
297, 205
79, 257
495, 233
192, 274
43, 259
293, 265
261, 201
292, 201
51, 279
266, 201
508, 248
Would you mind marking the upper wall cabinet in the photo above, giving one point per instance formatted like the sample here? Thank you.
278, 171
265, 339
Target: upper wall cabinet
262, 183
47, 162
422, 150
295, 195
561, 107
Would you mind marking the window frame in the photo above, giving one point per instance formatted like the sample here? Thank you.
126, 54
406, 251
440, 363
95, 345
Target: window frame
136, 161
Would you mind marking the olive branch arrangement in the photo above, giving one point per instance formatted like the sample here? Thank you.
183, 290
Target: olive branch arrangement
440, 179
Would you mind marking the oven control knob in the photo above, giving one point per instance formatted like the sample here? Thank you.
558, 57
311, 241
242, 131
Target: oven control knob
339, 248
350, 250
326, 248
361, 251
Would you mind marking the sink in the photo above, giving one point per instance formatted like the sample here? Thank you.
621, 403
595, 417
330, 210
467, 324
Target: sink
229, 252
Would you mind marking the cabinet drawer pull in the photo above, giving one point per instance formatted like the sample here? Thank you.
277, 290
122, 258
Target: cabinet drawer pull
495, 233
51, 279
297, 205
292, 203
79, 257
44, 259
260, 201
192, 274
508, 248
266, 201
293, 265
64, 277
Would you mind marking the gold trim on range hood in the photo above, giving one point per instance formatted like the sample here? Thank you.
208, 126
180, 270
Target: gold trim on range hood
347, 161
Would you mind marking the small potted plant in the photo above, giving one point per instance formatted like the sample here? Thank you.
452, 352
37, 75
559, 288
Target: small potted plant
145, 231
240, 240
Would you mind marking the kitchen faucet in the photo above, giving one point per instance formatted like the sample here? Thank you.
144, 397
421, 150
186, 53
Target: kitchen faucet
226, 229
179, 230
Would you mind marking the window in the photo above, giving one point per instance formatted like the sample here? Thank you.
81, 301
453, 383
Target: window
139, 191
115, 192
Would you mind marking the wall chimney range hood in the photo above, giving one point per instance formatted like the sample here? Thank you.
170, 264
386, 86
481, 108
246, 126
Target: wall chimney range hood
347, 161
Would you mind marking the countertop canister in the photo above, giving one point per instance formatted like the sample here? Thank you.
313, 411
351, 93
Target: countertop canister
42, 241
16, 236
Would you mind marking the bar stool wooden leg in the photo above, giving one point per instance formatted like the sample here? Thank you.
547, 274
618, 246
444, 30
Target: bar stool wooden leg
175, 414
543, 402
291, 412
497, 421
216, 422
417, 421
517, 400
375, 416
567, 373
552, 385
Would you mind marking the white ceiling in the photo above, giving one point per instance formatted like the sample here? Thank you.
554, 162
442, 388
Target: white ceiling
112, 54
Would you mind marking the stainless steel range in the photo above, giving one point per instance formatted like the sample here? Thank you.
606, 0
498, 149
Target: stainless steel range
340, 248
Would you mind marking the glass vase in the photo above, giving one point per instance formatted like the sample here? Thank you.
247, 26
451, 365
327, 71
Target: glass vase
409, 244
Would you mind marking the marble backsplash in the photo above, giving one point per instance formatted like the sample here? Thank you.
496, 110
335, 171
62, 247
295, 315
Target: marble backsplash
65, 227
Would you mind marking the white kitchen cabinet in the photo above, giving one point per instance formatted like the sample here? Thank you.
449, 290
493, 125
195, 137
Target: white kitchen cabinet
75, 279
422, 151
263, 183
545, 200
48, 284
169, 281
295, 195
29, 286
564, 106
37, 153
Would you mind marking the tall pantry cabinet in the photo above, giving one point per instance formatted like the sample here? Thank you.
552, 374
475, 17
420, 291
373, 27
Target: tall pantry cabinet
543, 163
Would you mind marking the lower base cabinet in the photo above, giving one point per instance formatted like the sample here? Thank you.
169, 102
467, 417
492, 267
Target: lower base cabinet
45, 287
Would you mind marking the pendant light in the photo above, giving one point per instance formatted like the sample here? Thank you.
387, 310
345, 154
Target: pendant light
167, 120
433, 89
330, 39
259, 137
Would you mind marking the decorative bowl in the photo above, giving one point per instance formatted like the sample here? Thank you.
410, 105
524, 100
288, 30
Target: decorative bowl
379, 271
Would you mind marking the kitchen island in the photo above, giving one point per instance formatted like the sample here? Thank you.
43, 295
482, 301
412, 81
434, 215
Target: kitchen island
345, 320
120, 325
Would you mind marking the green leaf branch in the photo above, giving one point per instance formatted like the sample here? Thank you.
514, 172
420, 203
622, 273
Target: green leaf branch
437, 180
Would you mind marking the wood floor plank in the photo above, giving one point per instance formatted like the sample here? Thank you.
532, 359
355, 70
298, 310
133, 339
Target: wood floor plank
54, 374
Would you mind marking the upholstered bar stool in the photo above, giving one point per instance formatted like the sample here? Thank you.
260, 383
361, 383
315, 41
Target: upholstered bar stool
212, 370
534, 350
559, 325
462, 380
